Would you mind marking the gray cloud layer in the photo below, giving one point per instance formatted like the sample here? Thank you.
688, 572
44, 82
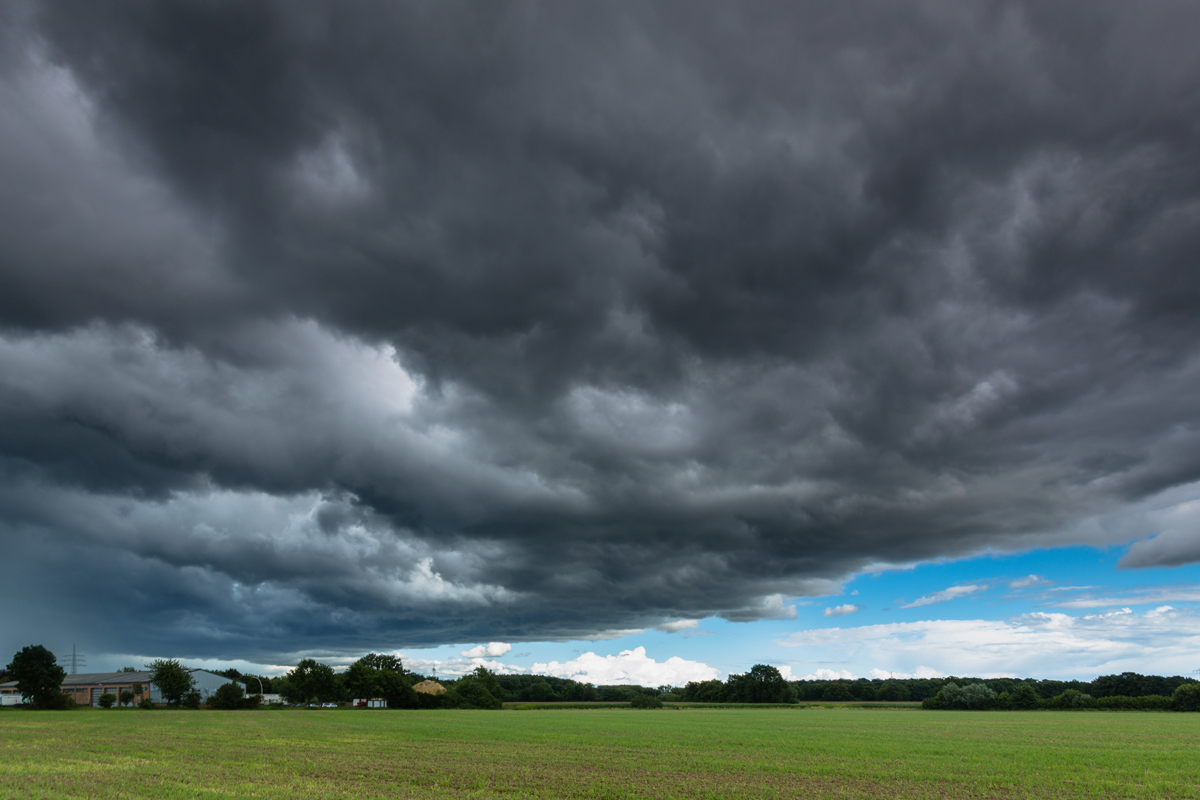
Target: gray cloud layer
398, 324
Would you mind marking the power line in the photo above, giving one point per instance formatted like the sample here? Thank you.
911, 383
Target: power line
74, 661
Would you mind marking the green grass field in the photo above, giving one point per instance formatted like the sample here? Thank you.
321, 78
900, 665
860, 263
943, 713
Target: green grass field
609, 753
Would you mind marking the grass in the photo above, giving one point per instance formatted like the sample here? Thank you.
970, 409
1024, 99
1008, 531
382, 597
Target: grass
604, 753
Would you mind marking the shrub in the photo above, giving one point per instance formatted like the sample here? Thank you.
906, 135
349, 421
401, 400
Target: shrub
645, 701
107, 700
145, 703
59, 701
974, 697
191, 699
1186, 697
228, 696
1149, 702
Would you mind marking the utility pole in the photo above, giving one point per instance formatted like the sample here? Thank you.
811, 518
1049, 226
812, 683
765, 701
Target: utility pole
75, 661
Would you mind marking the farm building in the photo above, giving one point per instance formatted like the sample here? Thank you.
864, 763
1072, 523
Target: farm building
86, 688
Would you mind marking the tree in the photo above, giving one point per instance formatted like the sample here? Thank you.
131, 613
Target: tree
381, 661
838, 691
126, 697
1186, 697
762, 684
704, 692
310, 682
892, 691
473, 693
107, 700
1024, 697
228, 696
38, 676
174, 682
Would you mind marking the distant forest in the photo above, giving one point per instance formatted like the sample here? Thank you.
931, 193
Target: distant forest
384, 676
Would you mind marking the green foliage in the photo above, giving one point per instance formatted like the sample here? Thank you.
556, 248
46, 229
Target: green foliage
838, 691
704, 692
762, 684
1070, 699
383, 676
57, 701
126, 697
645, 701
1024, 697
1186, 697
107, 700
892, 691
38, 675
146, 703
191, 699
1146, 702
471, 692
173, 681
972, 697
310, 682
228, 696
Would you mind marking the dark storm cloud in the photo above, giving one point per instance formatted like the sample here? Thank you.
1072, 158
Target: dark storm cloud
410, 323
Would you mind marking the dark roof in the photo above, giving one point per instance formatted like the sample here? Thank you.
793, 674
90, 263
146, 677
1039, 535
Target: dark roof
102, 678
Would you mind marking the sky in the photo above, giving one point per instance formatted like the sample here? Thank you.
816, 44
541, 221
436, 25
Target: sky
627, 342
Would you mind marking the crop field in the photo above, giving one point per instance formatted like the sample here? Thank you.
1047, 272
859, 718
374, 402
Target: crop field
600, 753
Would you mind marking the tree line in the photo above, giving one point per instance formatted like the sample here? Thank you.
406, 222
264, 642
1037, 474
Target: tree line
39, 677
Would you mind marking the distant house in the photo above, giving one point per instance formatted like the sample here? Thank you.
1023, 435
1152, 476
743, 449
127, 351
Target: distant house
9, 696
370, 702
86, 688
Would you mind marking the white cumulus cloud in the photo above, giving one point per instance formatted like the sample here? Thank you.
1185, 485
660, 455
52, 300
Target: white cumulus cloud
628, 667
489, 650
840, 611
1164, 640
678, 625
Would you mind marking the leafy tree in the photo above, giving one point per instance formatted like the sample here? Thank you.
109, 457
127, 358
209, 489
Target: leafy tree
838, 691
974, 696
892, 691
38, 676
191, 699
762, 684
126, 697
107, 700
1024, 697
227, 696
1186, 697
128, 669
473, 693
382, 661
539, 691
704, 692
361, 680
310, 682
174, 682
